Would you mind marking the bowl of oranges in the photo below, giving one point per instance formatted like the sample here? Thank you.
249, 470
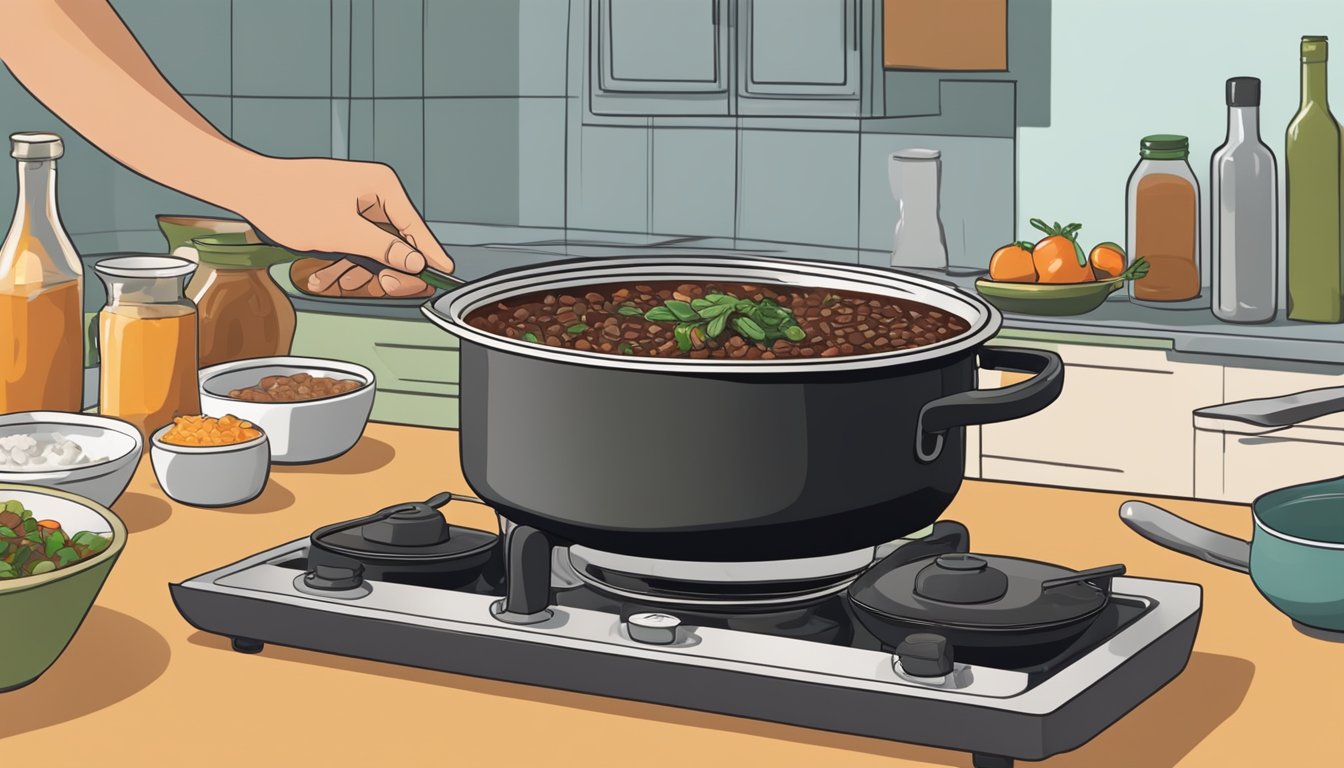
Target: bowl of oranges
205, 461
1055, 276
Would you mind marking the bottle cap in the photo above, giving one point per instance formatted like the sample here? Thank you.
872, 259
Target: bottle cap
1243, 92
35, 146
1164, 146
1315, 49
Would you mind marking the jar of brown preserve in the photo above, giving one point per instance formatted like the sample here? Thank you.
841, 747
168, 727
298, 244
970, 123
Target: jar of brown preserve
1162, 207
244, 313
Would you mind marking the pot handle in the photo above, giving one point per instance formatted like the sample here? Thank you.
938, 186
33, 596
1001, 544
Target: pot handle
1162, 527
986, 406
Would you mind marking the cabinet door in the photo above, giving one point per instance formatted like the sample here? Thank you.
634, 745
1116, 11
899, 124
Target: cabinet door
1122, 423
658, 57
799, 56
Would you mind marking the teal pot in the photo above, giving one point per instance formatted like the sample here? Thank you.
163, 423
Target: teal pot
1295, 557
43, 612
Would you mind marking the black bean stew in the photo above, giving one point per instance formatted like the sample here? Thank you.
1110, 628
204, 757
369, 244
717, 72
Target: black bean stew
718, 320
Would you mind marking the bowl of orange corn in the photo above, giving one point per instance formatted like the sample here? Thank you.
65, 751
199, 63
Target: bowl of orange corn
205, 461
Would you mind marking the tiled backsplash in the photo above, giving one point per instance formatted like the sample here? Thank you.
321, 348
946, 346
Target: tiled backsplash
480, 107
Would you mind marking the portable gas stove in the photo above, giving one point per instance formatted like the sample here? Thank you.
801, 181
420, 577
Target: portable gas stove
782, 642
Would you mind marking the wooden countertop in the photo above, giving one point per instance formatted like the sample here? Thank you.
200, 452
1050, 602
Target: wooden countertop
139, 685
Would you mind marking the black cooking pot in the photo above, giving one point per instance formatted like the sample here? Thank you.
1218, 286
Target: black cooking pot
727, 460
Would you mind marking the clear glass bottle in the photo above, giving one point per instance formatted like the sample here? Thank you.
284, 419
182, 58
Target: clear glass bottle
41, 291
147, 341
1162, 216
1312, 165
1243, 204
919, 240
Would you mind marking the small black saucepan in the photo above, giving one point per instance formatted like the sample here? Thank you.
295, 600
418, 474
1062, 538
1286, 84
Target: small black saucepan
1003, 611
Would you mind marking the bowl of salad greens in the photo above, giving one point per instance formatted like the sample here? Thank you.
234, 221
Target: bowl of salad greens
56, 550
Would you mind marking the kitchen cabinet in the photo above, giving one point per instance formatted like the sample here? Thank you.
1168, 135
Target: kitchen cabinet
1122, 423
658, 57
730, 58
798, 57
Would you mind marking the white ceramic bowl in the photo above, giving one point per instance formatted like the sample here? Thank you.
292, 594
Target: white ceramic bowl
211, 476
300, 433
101, 436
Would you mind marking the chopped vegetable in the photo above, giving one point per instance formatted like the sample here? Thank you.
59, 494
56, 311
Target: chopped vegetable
29, 547
209, 431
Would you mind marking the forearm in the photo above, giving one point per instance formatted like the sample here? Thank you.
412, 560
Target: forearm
78, 59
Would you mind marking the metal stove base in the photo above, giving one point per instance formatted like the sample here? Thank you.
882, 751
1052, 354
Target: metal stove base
996, 714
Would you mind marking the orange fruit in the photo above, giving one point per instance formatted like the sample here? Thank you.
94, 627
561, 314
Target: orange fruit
1057, 257
1012, 264
1108, 260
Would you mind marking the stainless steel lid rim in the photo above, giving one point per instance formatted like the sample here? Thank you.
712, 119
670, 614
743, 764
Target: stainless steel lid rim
449, 311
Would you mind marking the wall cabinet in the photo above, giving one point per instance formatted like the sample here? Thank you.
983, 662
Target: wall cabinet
658, 57
727, 58
798, 57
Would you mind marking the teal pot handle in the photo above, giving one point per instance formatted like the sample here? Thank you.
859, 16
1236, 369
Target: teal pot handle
1162, 527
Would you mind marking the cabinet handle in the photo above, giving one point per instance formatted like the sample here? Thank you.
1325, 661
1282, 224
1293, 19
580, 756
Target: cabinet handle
854, 45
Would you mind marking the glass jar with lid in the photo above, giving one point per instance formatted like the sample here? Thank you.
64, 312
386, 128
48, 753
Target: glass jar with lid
147, 341
41, 291
243, 312
1162, 206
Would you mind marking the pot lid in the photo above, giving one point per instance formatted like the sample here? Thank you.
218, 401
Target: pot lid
414, 532
983, 591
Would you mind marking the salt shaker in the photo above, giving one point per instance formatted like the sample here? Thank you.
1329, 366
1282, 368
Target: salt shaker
915, 175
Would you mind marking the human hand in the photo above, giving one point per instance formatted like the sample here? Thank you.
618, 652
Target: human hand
336, 206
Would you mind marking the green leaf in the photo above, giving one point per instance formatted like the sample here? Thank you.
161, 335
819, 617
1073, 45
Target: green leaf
577, 328
795, 333
46, 566
13, 506
87, 539
625, 348
65, 556
683, 311
29, 525
747, 327
532, 337
722, 298
24, 512
54, 541
719, 323
715, 310
682, 333
21, 556
629, 310
7, 531
744, 305
700, 305
660, 315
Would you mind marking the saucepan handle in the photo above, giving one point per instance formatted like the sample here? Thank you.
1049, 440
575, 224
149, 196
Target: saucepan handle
987, 406
1162, 527
1270, 414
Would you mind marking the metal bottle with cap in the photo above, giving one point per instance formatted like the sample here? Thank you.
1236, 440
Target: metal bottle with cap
41, 291
1243, 204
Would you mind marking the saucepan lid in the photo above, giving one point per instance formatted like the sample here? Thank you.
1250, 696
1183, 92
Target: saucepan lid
983, 592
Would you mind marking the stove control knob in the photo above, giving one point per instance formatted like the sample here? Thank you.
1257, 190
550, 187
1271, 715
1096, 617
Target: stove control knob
652, 628
924, 654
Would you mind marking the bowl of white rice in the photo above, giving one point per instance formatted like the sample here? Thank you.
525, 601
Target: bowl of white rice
92, 456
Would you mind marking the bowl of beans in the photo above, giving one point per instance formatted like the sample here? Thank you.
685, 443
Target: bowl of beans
311, 409
205, 461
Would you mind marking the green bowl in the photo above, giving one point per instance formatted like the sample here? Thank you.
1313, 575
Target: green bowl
1055, 299
42, 613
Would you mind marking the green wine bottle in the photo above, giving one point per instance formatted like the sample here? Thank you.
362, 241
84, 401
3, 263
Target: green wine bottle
1315, 256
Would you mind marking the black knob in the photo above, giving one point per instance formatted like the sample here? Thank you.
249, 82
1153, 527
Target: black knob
408, 525
334, 577
924, 654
